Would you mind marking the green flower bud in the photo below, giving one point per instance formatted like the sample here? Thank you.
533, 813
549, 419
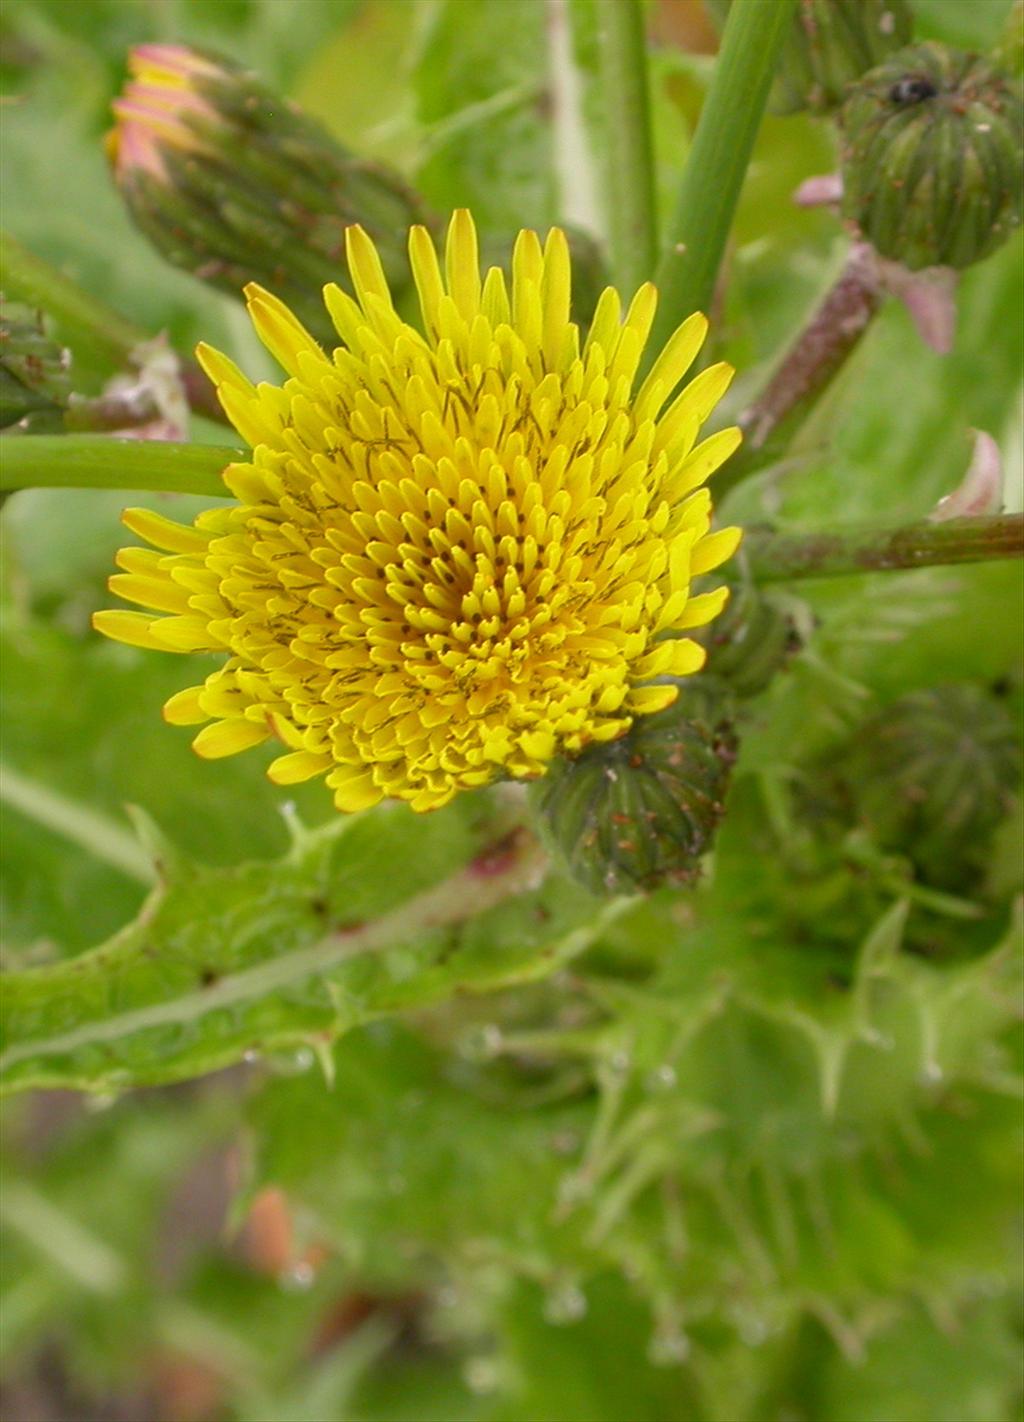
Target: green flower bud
638, 812
234, 184
750, 641
35, 385
932, 776
931, 157
832, 43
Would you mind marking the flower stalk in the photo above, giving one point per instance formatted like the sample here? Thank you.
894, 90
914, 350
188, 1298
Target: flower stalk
779, 557
94, 461
808, 368
717, 161
629, 160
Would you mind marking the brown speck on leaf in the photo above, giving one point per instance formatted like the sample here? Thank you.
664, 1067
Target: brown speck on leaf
498, 858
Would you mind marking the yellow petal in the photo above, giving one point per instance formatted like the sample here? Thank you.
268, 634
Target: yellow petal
527, 275
298, 765
164, 532
672, 364
346, 315
223, 371
538, 744
671, 658
604, 328
365, 267
645, 700
134, 628
183, 708
640, 315
494, 302
426, 273
183, 634
462, 264
702, 462
229, 737
714, 550
283, 334
159, 593
702, 609
356, 791
556, 294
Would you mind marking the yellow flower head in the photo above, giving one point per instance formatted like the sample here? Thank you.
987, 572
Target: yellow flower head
455, 555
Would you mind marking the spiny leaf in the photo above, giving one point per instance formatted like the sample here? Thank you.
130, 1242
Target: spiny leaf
370, 915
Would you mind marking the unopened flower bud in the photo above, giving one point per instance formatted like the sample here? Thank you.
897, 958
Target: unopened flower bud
632, 814
933, 774
750, 641
932, 149
235, 184
35, 385
831, 43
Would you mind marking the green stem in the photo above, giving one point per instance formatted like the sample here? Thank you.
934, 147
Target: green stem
99, 462
807, 370
100, 336
717, 161
629, 159
778, 557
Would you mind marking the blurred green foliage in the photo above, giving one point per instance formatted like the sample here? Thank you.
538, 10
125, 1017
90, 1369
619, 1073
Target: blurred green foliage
752, 1151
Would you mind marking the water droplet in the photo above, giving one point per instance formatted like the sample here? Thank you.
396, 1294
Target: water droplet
662, 1078
669, 1346
299, 1277
566, 1303
481, 1044
287, 1063
482, 1375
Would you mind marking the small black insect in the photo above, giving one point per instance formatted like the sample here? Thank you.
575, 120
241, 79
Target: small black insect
912, 89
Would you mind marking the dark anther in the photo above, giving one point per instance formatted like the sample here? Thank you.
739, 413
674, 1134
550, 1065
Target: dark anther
912, 89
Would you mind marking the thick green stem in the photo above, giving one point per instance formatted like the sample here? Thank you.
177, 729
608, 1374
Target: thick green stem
778, 557
717, 161
629, 159
99, 462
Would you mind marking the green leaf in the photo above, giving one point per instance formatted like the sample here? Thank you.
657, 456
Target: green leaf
481, 86
369, 915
